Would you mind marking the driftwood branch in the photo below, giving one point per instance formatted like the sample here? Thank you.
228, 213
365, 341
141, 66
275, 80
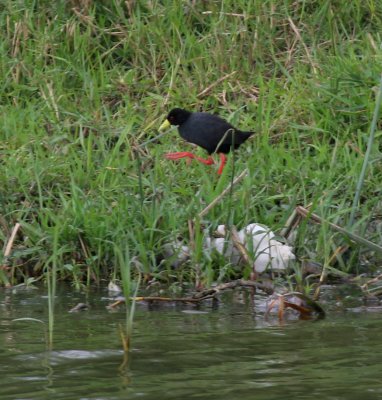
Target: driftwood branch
205, 294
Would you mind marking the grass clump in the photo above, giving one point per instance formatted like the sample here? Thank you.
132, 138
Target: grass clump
85, 83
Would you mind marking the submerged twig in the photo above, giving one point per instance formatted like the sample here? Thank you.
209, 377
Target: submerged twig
204, 294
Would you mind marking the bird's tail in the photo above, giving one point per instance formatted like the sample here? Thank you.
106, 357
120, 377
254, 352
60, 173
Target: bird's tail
248, 133
243, 136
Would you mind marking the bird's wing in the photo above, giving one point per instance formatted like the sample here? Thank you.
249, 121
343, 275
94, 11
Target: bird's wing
206, 130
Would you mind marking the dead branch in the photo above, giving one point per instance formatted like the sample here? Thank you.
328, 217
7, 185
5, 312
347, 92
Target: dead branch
290, 224
358, 239
240, 246
371, 281
204, 294
222, 194
9, 246
298, 35
210, 87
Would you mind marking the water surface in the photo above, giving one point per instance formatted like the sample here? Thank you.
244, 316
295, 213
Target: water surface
183, 352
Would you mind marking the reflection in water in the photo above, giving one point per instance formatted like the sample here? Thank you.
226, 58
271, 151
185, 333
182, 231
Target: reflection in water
183, 352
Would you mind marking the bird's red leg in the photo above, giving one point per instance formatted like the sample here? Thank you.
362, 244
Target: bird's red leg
183, 154
223, 160
208, 161
179, 154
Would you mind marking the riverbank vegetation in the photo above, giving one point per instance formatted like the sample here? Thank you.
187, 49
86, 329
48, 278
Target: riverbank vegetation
86, 84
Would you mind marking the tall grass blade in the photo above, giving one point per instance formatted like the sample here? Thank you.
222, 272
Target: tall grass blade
51, 277
126, 275
366, 159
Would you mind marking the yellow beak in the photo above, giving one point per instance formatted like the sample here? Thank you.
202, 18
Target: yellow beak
166, 124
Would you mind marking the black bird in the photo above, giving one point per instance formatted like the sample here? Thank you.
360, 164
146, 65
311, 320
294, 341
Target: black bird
208, 131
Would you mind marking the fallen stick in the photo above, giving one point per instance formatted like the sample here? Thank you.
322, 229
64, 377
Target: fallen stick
226, 13
315, 218
290, 224
298, 35
371, 281
9, 246
240, 246
223, 193
210, 87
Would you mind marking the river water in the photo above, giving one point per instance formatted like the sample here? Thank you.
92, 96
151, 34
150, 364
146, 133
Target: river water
181, 352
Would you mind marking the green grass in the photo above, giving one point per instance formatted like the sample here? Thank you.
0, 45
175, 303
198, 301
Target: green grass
84, 83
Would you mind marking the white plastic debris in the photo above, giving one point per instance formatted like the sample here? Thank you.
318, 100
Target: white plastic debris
113, 288
176, 252
260, 242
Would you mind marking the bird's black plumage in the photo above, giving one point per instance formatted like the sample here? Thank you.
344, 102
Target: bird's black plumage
208, 131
